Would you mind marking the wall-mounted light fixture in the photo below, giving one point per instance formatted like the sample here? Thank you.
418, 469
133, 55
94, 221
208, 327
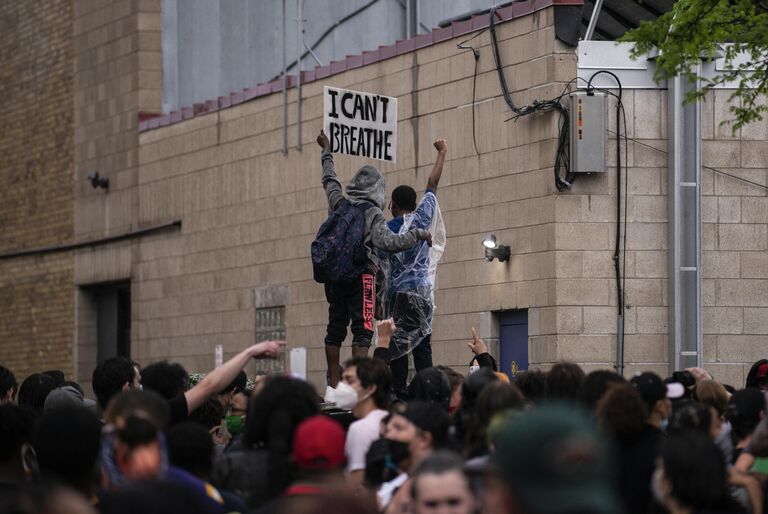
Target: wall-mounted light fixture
98, 181
495, 250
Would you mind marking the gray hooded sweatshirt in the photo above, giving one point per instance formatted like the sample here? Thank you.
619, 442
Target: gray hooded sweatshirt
368, 186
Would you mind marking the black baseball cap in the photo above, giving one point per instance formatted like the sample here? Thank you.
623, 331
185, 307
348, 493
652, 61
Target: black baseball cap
652, 388
428, 417
746, 403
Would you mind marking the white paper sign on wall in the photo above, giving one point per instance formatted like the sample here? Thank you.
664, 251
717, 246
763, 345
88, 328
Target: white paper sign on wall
361, 124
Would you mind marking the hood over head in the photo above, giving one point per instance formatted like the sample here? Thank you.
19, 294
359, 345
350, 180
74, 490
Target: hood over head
367, 186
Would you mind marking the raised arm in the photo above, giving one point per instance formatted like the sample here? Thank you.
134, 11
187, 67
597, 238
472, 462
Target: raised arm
222, 376
437, 171
330, 181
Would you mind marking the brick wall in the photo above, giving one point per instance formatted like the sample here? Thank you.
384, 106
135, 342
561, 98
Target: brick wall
36, 76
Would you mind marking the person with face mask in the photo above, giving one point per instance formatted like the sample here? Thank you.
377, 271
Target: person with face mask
414, 431
658, 398
365, 389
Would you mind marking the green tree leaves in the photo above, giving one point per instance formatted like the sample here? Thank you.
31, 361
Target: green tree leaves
693, 30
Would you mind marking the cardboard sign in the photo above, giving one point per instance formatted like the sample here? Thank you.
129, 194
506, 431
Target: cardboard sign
361, 124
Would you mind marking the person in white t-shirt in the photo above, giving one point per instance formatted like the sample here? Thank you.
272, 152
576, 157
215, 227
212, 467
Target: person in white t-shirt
371, 381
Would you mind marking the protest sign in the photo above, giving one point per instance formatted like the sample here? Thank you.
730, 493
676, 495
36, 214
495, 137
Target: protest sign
361, 124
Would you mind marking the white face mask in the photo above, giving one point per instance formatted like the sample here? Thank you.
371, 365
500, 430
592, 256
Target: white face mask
474, 368
344, 396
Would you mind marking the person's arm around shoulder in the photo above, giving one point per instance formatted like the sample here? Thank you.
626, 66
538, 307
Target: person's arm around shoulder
222, 376
383, 238
330, 181
441, 145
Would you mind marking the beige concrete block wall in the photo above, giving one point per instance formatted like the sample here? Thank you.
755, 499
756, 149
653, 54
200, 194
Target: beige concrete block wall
586, 288
735, 240
250, 212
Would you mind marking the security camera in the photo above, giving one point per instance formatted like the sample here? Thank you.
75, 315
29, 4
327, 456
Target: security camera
97, 181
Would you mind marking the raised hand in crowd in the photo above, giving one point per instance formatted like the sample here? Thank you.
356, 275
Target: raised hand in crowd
385, 329
699, 374
477, 345
267, 349
219, 378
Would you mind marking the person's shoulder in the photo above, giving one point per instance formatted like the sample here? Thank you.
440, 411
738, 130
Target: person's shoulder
356, 426
395, 223
354, 429
376, 415
178, 409
372, 418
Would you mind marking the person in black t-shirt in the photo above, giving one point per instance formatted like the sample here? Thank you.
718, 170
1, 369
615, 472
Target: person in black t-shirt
215, 381
119, 374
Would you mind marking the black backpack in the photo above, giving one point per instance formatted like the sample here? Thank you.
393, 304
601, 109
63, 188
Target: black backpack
338, 251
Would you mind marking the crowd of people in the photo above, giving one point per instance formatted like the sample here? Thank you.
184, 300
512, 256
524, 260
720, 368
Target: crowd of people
157, 439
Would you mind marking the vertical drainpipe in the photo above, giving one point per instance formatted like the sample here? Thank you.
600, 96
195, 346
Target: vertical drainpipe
285, 86
299, 31
684, 219
417, 17
411, 18
407, 19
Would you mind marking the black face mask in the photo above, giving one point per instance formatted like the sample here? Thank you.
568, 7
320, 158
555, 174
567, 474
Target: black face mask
398, 452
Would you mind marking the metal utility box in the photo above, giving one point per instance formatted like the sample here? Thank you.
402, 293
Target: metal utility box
589, 131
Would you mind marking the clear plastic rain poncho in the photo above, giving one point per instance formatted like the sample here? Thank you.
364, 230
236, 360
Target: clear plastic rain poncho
411, 279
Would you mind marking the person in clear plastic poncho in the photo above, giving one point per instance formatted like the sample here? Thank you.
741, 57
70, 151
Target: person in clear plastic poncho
410, 275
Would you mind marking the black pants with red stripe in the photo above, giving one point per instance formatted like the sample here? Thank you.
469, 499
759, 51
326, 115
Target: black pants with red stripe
351, 303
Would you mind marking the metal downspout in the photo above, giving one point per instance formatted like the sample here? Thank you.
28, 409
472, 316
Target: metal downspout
285, 87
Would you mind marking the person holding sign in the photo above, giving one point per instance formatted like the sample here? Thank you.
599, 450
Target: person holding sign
343, 255
411, 275
358, 123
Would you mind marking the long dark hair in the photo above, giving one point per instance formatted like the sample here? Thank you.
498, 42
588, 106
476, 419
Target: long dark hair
470, 391
694, 467
495, 397
273, 416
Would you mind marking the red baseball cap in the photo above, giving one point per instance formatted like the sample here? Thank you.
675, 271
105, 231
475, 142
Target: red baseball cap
318, 444
762, 370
